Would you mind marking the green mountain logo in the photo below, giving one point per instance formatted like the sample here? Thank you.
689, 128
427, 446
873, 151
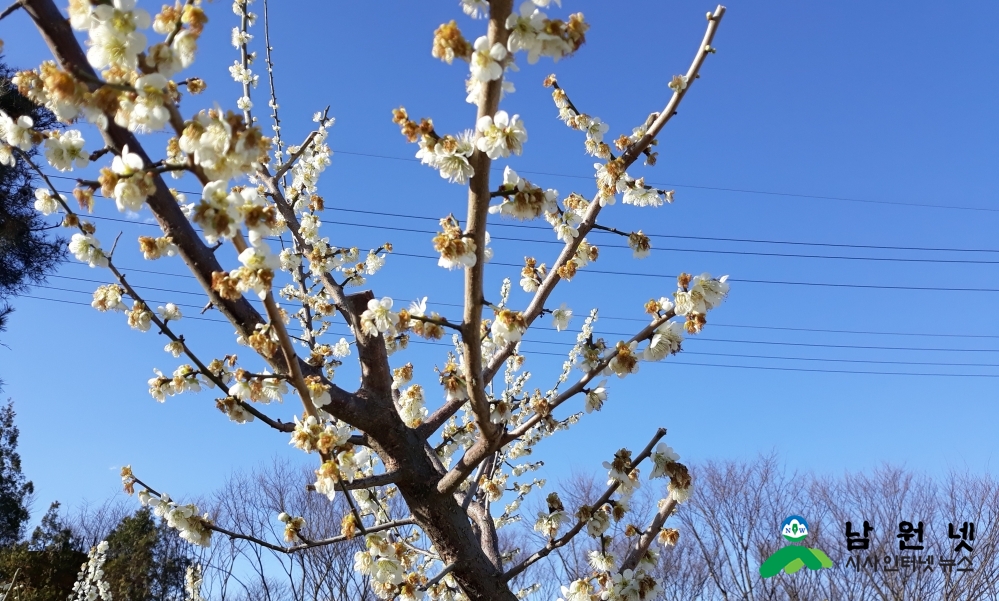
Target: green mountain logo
792, 558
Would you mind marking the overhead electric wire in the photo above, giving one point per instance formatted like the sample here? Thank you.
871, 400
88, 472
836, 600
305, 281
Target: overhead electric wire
743, 280
651, 235
712, 188
699, 338
605, 317
672, 362
691, 250
655, 248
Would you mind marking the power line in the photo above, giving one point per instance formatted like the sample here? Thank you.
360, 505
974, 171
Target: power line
680, 362
667, 249
746, 280
701, 238
741, 280
609, 317
651, 235
688, 250
700, 338
713, 188
656, 249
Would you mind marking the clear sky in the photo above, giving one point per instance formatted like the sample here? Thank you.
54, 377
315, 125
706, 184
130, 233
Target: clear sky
834, 128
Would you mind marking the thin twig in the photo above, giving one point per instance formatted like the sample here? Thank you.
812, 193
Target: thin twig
6, 12
440, 576
309, 545
162, 325
568, 536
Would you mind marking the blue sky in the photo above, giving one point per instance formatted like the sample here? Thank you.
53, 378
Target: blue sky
804, 106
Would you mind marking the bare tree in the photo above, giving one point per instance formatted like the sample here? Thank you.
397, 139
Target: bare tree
249, 503
731, 525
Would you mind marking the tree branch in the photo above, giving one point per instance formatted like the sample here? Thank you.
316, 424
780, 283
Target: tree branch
478, 211
536, 305
311, 544
372, 481
650, 534
576, 388
10, 9
568, 536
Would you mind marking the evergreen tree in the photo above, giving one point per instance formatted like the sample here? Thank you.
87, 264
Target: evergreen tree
15, 490
46, 564
27, 252
146, 561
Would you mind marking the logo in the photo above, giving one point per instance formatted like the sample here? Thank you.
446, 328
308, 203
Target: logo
792, 558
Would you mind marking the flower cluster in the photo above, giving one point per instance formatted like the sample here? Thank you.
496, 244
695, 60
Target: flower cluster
640, 245
192, 583
292, 526
258, 388
532, 274
500, 135
379, 318
64, 150
312, 435
90, 584
662, 457
87, 249
223, 145
109, 298
346, 464
411, 406
115, 39
193, 528
508, 327
311, 161
45, 203
185, 379
549, 523
127, 181
665, 341
566, 222
386, 563
522, 199
16, 133
533, 32
155, 248
450, 44
449, 155
456, 249
694, 301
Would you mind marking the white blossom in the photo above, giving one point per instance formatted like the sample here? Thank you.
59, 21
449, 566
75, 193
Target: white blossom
595, 397
87, 249
561, 317
477, 9
169, 312
527, 31
131, 190
663, 455
45, 203
64, 150
665, 341
378, 318
17, 132
486, 60
114, 38
500, 135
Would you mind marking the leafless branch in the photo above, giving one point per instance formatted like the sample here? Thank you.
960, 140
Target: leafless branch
311, 544
568, 536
